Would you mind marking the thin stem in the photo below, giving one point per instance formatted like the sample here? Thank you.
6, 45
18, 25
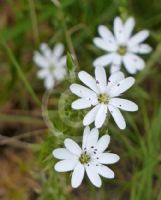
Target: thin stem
34, 20
16, 118
4, 140
21, 74
68, 36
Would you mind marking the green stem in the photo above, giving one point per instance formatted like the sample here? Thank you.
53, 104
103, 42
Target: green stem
21, 74
34, 20
68, 36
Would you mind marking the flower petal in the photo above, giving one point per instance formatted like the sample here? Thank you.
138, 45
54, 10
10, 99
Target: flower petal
93, 175
58, 50
144, 49
104, 32
59, 73
77, 175
42, 73
72, 146
40, 60
107, 35
138, 38
114, 68
63, 153
124, 104
119, 30
133, 63
115, 78
116, 64
128, 28
92, 138
81, 104
140, 49
49, 82
101, 79
103, 143
82, 91
101, 43
101, 116
65, 165
88, 80
105, 171
90, 116
104, 60
117, 116
62, 62
117, 60
85, 136
121, 87
46, 50
108, 158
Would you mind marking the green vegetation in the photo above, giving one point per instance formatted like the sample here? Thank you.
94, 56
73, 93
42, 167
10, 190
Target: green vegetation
24, 24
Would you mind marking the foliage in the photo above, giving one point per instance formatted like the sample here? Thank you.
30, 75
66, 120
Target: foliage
27, 23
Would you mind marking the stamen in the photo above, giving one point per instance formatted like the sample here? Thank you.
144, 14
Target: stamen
84, 158
51, 68
103, 98
122, 50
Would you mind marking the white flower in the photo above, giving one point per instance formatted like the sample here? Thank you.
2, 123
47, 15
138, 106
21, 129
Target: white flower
122, 47
90, 158
52, 64
102, 96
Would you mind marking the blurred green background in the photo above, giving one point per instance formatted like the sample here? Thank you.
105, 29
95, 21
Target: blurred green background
25, 141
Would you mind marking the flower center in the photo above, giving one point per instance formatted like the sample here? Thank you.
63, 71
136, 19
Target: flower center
51, 68
103, 98
84, 158
122, 50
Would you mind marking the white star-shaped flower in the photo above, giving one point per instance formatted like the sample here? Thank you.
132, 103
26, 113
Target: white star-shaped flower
52, 64
91, 158
122, 47
102, 95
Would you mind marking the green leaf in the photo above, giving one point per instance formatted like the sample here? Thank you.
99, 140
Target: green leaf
71, 67
70, 63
